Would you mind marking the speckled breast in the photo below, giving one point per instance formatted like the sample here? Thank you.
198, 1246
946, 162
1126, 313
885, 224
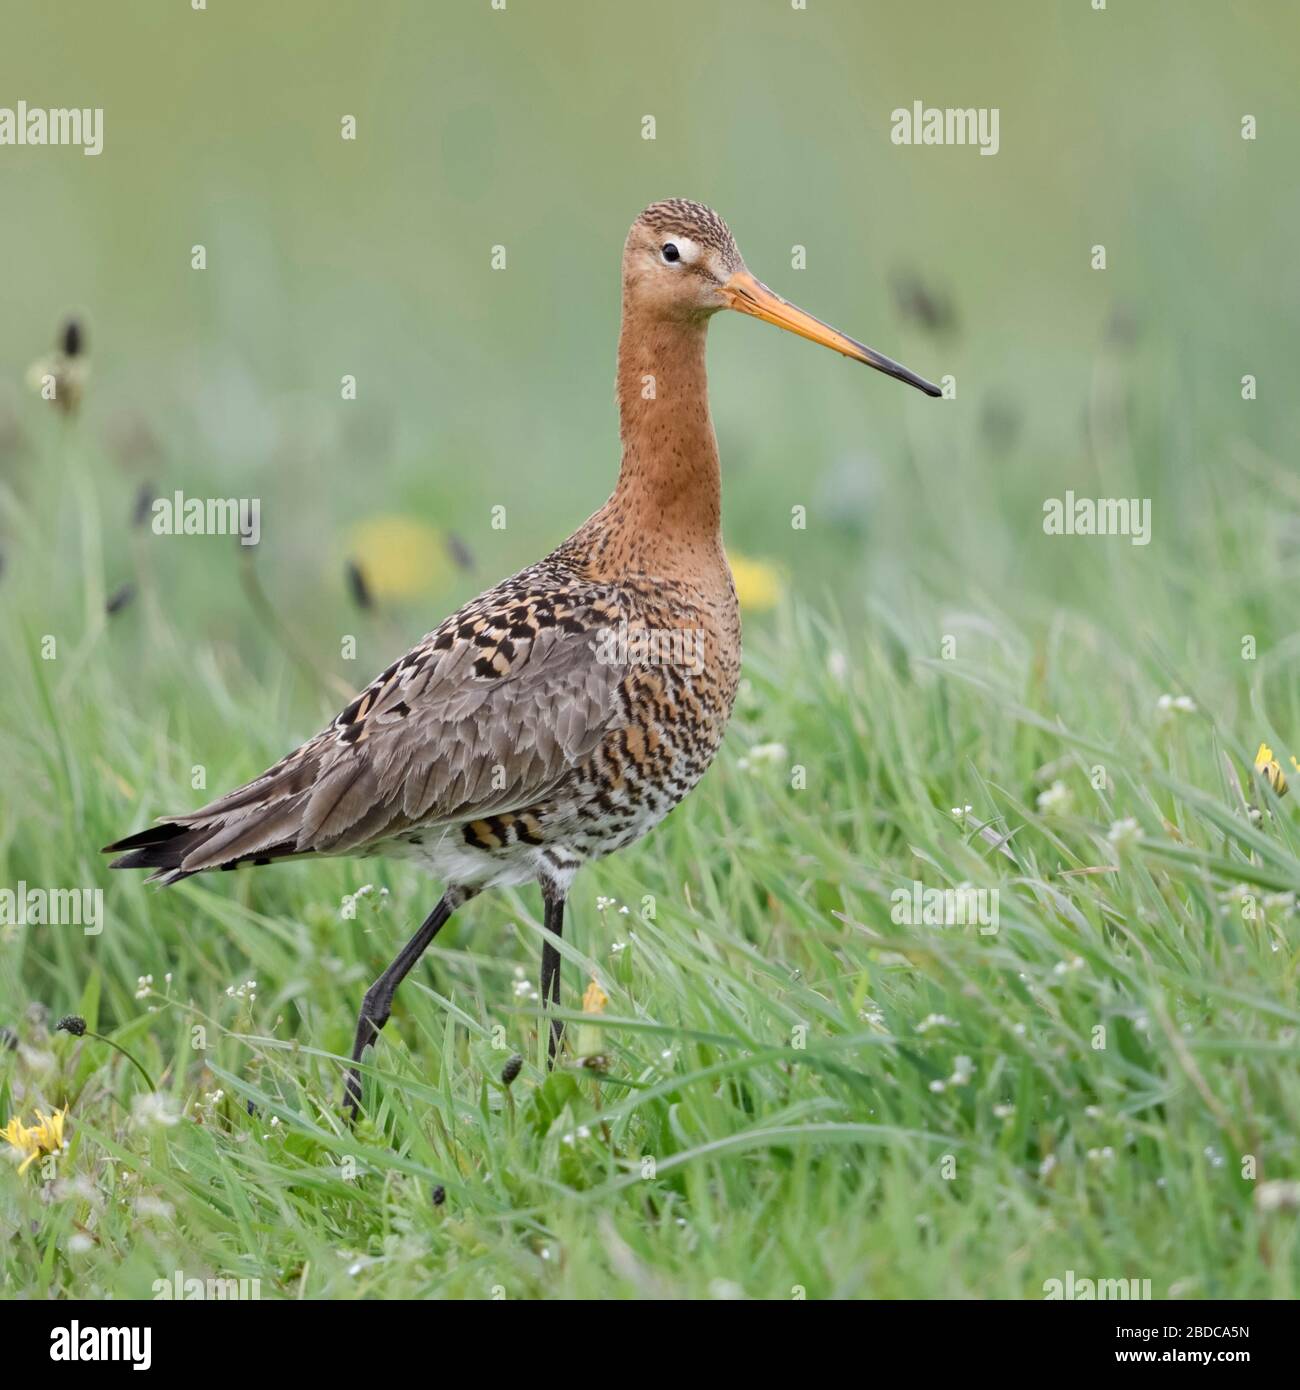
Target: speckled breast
679, 646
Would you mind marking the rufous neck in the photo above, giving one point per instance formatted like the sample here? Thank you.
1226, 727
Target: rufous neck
670, 481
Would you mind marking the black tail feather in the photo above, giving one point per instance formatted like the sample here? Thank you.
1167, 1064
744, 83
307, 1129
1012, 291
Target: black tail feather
154, 835
161, 848
164, 848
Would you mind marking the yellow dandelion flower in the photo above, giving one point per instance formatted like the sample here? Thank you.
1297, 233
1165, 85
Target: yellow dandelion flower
1271, 770
15, 1135
589, 1038
398, 557
758, 584
595, 999
44, 1137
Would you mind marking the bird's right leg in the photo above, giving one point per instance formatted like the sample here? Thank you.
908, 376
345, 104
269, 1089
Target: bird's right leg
378, 1003
553, 895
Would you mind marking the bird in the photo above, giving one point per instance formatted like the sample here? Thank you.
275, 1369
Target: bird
563, 713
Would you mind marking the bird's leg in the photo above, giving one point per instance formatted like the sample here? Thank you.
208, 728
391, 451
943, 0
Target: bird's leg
378, 1002
553, 920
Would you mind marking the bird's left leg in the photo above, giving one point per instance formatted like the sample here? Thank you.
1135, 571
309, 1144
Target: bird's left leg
379, 997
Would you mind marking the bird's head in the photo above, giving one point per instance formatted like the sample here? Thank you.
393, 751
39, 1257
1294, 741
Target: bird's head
681, 262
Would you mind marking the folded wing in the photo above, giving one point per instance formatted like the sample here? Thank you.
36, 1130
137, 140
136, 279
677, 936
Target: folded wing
487, 714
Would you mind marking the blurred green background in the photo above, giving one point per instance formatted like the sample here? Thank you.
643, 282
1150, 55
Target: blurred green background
522, 127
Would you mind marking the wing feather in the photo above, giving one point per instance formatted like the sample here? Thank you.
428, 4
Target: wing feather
486, 715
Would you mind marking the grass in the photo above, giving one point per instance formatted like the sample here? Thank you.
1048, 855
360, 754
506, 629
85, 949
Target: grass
801, 1094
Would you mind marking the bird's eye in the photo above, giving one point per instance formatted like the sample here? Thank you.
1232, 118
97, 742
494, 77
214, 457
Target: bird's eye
669, 252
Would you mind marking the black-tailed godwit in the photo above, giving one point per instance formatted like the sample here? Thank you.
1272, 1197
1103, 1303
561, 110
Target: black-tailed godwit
563, 713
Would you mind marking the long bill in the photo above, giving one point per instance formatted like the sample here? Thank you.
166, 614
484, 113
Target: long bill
751, 296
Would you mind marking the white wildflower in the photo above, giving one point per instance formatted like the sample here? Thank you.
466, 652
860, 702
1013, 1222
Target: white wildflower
147, 1206
1124, 834
763, 753
154, 1110
1278, 1194
1170, 706
1056, 800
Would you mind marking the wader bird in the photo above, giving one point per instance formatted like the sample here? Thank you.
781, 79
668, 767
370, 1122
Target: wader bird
519, 739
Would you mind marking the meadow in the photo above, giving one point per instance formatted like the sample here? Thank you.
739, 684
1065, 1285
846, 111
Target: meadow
824, 1099
784, 1085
